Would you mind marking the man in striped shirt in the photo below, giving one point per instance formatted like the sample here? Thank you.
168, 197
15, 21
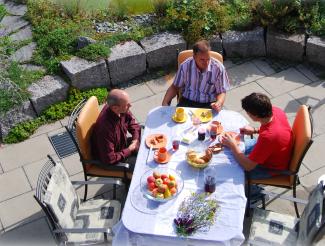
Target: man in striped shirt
201, 80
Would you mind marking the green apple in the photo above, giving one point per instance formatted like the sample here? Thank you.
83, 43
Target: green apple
158, 182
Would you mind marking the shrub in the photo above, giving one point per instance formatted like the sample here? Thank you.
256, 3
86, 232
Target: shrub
160, 7
282, 15
312, 14
94, 51
197, 19
240, 15
55, 112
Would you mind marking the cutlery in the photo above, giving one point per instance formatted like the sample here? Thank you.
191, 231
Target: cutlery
150, 149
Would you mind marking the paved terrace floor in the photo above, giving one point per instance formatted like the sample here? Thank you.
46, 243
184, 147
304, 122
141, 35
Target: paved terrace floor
288, 85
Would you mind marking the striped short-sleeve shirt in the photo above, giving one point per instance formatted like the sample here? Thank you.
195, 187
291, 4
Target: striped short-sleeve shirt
200, 86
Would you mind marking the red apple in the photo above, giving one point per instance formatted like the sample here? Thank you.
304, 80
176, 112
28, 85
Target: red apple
166, 181
154, 192
151, 179
163, 176
160, 195
151, 185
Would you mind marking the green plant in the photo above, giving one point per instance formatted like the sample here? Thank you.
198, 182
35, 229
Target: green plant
197, 19
94, 51
3, 11
282, 15
312, 14
55, 112
240, 14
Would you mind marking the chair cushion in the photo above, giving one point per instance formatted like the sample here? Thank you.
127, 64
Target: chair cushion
93, 170
97, 213
270, 228
61, 197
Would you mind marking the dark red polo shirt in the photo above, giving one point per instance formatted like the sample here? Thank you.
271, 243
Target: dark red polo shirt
109, 140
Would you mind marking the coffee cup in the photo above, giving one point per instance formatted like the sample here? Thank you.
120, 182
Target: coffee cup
216, 127
162, 154
180, 114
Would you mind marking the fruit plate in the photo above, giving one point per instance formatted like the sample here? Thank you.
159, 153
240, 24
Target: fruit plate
161, 184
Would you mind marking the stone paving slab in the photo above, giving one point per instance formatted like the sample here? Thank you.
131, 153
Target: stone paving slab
244, 73
160, 84
72, 164
10, 24
303, 171
318, 117
283, 82
30, 150
19, 210
138, 92
307, 72
265, 67
13, 184
287, 103
32, 171
47, 128
16, 9
311, 179
34, 233
235, 95
315, 157
23, 34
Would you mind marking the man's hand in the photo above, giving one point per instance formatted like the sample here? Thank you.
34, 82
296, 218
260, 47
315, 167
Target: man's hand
248, 130
229, 141
217, 106
134, 145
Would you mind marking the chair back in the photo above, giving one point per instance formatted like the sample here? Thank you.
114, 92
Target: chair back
312, 218
85, 124
302, 129
183, 55
57, 197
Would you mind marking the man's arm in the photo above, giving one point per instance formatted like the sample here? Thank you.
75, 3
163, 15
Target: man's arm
220, 100
135, 130
170, 94
244, 161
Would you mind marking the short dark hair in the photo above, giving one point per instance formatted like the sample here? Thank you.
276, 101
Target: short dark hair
258, 105
201, 46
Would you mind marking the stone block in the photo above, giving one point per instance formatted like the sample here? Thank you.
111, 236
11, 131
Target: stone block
84, 41
24, 54
244, 44
126, 61
86, 74
47, 91
16, 9
315, 51
23, 34
10, 24
162, 49
216, 43
16, 115
285, 46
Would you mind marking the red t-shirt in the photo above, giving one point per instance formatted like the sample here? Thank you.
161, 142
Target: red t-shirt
274, 144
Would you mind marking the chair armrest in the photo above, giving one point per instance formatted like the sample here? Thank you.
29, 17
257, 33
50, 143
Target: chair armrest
288, 198
83, 230
121, 166
114, 181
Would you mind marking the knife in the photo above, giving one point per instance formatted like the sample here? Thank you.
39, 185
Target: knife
149, 153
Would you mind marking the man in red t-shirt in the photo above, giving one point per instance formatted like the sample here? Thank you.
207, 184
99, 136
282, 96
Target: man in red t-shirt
274, 144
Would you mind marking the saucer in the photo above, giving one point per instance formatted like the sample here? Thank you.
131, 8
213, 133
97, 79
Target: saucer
179, 121
155, 157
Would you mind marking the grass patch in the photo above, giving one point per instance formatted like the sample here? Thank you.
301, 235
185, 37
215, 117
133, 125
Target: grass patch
3, 11
55, 112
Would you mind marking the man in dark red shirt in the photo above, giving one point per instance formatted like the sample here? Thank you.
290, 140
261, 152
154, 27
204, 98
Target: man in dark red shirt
109, 139
275, 141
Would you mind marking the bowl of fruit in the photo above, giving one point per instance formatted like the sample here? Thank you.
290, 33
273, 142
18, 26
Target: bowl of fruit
161, 184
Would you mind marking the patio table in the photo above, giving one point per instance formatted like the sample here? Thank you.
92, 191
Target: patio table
146, 222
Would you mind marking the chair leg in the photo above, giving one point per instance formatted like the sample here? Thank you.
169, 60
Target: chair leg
295, 195
86, 188
248, 194
114, 191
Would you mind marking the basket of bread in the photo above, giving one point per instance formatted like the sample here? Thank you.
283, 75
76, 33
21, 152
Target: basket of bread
198, 159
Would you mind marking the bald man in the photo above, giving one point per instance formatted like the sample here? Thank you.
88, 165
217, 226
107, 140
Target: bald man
109, 139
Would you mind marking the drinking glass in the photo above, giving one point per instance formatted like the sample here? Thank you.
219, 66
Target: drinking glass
210, 179
175, 144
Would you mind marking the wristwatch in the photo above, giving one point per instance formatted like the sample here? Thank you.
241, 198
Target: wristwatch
256, 130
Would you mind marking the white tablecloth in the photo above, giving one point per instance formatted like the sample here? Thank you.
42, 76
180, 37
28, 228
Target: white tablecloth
148, 223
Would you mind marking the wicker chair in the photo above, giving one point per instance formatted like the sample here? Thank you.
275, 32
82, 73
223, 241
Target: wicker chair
80, 126
70, 220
